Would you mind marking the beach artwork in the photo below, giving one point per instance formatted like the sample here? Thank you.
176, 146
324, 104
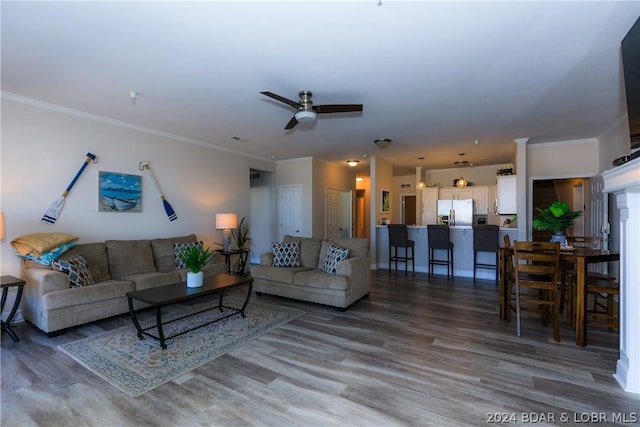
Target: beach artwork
119, 192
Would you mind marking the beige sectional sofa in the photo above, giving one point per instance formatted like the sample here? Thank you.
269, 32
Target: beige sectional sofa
117, 267
309, 282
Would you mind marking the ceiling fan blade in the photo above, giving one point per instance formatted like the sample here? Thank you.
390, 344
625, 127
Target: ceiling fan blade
294, 104
292, 123
337, 108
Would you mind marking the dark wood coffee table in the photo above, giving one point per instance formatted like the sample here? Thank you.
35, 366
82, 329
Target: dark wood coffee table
170, 294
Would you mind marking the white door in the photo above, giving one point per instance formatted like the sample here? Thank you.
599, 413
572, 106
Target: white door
333, 214
290, 210
599, 211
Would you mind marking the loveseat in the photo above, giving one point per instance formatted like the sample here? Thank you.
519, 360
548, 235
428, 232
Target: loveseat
309, 280
52, 304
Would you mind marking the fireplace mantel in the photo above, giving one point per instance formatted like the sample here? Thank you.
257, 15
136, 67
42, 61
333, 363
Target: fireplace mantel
624, 182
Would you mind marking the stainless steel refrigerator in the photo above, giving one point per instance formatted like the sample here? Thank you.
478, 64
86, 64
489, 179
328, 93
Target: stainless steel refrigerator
458, 212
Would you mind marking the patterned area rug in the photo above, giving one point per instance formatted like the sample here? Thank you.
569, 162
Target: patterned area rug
137, 366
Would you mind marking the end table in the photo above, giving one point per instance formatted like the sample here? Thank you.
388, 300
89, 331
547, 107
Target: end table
227, 256
7, 282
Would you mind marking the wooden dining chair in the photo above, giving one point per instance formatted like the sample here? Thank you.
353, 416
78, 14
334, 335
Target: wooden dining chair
597, 279
509, 279
537, 271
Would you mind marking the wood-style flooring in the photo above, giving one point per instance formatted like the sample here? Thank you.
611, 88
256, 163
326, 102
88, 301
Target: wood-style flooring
416, 352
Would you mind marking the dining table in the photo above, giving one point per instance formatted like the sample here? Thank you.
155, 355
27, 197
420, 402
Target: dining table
581, 258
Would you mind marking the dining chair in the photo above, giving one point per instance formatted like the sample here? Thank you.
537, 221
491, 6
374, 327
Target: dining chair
399, 238
597, 279
439, 239
485, 239
537, 271
509, 279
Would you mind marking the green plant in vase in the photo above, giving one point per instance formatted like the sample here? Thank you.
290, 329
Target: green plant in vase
557, 218
195, 258
242, 241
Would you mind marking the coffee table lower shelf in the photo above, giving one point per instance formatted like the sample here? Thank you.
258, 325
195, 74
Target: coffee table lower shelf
165, 295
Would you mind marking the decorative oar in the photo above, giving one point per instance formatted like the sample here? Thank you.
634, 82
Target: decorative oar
51, 215
167, 206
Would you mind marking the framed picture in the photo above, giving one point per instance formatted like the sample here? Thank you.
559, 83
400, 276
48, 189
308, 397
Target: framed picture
119, 192
385, 201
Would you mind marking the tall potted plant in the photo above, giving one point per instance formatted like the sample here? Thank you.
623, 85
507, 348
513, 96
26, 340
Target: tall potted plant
195, 258
557, 218
243, 241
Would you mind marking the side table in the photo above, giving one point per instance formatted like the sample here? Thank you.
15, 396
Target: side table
7, 282
227, 256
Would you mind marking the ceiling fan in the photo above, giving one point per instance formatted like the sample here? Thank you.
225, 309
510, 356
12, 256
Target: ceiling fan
306, 111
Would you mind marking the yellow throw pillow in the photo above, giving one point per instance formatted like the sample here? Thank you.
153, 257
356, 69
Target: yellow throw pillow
40, 243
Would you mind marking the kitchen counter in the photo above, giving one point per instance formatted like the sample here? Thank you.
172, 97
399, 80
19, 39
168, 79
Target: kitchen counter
462, 238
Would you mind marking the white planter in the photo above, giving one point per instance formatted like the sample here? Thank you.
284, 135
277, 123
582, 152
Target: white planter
194, 280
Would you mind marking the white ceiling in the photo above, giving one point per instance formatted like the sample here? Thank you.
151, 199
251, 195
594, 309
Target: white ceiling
433, 76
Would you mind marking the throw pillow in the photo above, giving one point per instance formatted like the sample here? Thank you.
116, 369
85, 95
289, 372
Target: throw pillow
77, 269
177, 248
335, 254
286, 254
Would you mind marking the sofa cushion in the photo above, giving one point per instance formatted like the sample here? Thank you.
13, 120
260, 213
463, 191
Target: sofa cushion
153, 279
322, 256
319, 279
163, 252
286, 254
179, 247
356, 246
335, 254
282, 274
129, 257
110, 289
77, 269
309, 249
96, 256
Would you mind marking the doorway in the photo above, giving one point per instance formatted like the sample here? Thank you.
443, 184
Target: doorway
569, 190
338, 214
409, 210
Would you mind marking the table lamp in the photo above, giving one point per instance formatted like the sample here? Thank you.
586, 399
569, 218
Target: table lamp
1, 225
225, 222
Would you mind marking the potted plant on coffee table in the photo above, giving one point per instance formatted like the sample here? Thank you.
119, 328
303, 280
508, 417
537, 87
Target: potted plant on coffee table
195, 257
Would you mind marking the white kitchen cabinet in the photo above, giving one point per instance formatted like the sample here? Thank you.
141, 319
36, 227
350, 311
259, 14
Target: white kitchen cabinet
455, 193
507, 194
429, 206
480, 197
477, 193
492, 204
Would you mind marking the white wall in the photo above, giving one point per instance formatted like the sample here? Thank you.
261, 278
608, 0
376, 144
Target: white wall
614, 143
578, 158
43, 149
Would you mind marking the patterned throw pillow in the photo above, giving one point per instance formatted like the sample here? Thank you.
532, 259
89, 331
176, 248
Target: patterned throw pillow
77, 269
286, 254
335, 254
177, 247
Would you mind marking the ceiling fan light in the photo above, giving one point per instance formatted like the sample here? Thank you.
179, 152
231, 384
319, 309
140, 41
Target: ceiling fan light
304, 116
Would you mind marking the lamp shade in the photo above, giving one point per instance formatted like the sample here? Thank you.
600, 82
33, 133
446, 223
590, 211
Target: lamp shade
1, 225
226, 221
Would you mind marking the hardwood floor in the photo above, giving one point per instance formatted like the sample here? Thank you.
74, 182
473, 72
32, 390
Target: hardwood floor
416, 352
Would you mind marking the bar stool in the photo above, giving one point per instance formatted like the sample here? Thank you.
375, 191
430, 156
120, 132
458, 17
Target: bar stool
438, 238
485, 239
399, 238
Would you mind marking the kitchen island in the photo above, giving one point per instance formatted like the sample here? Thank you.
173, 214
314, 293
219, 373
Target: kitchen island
462, 238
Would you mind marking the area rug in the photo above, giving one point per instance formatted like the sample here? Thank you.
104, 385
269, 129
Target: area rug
137, 366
